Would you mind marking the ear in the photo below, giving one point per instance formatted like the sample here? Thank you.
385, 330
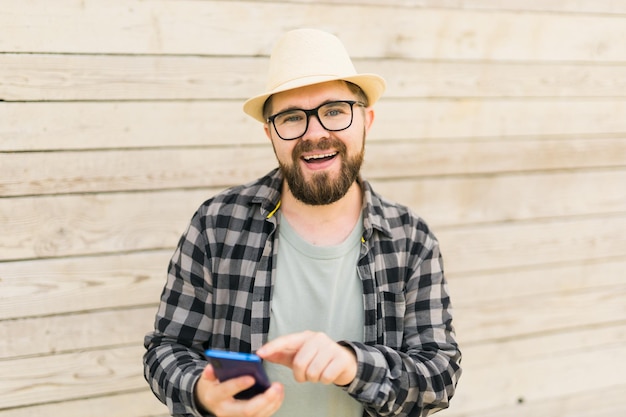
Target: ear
369, 118
268, 132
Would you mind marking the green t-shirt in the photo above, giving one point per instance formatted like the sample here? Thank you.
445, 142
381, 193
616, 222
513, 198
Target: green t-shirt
316, 288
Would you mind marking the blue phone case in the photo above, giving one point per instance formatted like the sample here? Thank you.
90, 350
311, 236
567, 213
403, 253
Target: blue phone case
227, 365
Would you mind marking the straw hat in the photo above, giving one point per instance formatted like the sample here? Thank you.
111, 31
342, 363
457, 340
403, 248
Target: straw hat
303, 57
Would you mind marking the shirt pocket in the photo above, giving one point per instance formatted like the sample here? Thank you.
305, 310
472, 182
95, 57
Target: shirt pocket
391, 309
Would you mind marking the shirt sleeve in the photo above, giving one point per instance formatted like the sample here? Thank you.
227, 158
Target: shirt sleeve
419, 378
174, 361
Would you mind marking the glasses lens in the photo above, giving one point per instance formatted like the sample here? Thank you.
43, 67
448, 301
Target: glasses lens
291, 124
336, 115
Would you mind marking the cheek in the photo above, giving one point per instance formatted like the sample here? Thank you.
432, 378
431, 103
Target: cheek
357, 143
283, 150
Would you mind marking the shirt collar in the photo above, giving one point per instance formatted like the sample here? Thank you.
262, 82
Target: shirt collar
266, 193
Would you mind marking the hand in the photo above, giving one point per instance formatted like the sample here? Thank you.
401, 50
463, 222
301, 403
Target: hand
313, 357
218, 397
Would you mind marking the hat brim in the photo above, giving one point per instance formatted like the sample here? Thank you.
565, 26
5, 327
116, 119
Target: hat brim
372, 85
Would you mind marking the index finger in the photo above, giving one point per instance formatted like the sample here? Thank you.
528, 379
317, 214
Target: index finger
290, 342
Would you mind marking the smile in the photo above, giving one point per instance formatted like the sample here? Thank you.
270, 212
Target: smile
319, 157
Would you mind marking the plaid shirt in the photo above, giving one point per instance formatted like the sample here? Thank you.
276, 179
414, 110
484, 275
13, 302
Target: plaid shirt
219, 289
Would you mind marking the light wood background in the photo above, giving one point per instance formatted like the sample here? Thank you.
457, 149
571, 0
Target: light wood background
504, 126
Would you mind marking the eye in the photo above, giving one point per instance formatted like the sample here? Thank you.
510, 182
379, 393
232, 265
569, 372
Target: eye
335, 109
289, 117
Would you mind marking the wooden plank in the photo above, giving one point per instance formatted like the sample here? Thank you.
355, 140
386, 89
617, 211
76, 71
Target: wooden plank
124, 77
40, 380
135, 403
465, 118
465, 200
68, 125
566, 6
528, 244
186, 27
513, 317
68, 285
93, 224
607, 402
411, 78
471, 290
538, 369
42, 336
126, 170
110, 223
105, 125
416, 159
563, 6
40, 173
32, 77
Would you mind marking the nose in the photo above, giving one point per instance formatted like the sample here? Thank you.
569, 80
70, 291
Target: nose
314, 130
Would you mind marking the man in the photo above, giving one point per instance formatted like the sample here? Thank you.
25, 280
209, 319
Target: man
340, 292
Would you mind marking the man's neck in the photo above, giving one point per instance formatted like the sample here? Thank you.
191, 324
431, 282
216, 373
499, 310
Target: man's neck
323, 225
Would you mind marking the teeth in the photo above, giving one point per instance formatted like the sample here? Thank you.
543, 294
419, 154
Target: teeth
313, 157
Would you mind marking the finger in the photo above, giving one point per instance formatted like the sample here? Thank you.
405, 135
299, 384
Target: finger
342, 369
332, 372
290, 343
219, 397
267, 403
314, 363
323, 360
208, 373
282, 350
312, 358
234, 386
262, 405
303, 366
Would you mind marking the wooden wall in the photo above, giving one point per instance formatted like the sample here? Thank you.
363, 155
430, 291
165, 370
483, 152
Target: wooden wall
504, 125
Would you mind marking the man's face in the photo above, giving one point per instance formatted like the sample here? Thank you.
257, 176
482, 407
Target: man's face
320, 166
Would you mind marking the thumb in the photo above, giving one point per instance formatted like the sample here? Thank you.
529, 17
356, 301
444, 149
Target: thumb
209, 374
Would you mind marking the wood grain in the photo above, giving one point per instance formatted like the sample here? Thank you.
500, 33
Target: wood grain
503, 125
558, 6
196, 27
570, 405
57, 335
508, 318
135, 403
46, 287
542, 282
125, 125
39, 380
44, 77
528, 244
544, 368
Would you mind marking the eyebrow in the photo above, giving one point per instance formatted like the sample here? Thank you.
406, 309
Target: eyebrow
292, 107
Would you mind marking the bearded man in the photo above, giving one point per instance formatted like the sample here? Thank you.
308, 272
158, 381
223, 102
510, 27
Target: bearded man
340, 292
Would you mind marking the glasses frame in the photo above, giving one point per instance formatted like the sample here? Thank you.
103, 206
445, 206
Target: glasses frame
315, 112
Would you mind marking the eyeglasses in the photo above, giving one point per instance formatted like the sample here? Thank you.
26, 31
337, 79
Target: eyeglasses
333, 116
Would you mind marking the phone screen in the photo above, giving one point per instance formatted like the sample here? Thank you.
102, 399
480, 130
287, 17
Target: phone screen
227, 365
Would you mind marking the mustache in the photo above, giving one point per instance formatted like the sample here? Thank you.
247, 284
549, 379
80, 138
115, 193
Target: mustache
326, 143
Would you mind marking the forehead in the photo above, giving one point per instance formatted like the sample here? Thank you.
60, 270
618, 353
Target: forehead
310, 96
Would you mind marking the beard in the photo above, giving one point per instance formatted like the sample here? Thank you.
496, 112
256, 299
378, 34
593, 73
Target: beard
321, 188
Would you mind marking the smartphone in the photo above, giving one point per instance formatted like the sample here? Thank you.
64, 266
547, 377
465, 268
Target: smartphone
227, 365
